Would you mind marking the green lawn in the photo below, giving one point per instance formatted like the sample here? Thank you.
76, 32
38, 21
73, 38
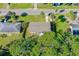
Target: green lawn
31, 18
21, 5
50, 6
1, 5
6, 40
45, 6
65, 7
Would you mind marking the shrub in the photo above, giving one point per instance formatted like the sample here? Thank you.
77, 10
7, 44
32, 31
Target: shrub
24, 14
62, 18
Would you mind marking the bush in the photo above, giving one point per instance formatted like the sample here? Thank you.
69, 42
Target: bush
62, 18
24, 14
16, 17
3, 35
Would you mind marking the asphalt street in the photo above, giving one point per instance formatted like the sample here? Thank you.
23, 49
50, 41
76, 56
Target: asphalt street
30, 11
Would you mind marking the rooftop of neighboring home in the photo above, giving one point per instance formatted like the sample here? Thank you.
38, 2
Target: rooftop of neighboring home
10, 27
39, 27
75, 29
75, 26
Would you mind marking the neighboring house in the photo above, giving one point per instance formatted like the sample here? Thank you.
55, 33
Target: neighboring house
75, 29
75, 4
9, 28
57, 4
39, 27
75, 26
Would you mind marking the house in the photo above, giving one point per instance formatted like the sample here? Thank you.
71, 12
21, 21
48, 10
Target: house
57, 4
39, 27
75, 26
9, 28
75, 4
75, 29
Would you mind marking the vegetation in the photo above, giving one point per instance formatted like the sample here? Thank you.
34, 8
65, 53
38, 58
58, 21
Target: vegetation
20, 5
64, 44
58, 42
51, 6
9, 39
29, 18
71, 15
1, 5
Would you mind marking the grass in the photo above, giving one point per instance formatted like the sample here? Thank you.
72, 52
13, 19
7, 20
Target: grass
31, 18
21, 5
1, 5
45, 6
50, 6
65, 7
6, 40
40, 6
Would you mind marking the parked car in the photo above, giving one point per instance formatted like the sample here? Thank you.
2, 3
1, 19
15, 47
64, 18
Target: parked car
61, 11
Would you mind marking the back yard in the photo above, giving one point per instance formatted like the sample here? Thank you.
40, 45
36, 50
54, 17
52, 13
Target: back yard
7, 40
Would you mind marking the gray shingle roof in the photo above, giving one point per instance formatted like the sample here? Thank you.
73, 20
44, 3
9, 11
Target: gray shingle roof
39, 27
10, 27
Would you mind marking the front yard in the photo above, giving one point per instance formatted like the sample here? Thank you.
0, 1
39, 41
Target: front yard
21, 5
1, 5
50, 6
31, 18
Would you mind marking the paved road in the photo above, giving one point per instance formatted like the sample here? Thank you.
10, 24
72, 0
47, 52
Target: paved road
35, 11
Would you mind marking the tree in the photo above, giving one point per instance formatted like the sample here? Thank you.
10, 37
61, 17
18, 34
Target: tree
71, 15
52, 16
22, 47
36, 51
64, 44
25, 26
75, 49
4, 52
48, 44
62, 18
